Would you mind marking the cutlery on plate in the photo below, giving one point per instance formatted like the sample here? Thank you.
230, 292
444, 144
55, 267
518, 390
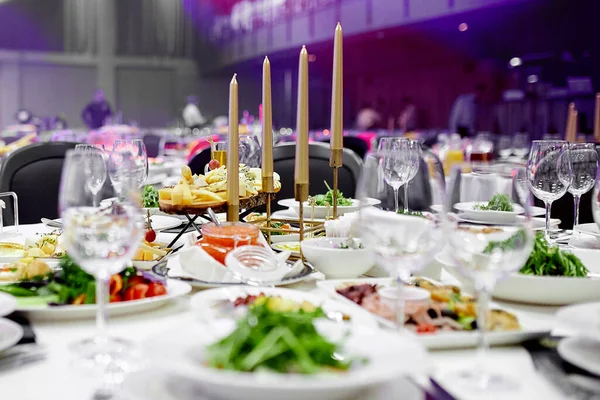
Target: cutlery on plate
21, 355
50, 223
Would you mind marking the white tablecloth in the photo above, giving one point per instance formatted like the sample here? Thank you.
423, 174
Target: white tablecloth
54, 378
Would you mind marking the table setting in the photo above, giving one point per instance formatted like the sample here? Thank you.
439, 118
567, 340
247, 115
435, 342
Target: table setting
186, 291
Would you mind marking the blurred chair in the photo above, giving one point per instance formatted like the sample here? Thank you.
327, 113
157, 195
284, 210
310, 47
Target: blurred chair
199, 161
357, 145
33, 173
284, 156
155, 145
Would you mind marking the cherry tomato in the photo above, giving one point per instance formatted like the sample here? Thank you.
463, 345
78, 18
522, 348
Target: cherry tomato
150, 236
156, 289
116, 284
115, 298
136, 292
134, 280
213, 164
79, 299
426, 328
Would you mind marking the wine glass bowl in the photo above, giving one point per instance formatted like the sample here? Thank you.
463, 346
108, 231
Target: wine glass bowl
584, 158
137, 149
400, 162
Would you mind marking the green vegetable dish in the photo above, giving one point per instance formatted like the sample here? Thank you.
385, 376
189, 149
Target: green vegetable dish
544, 260
500, 202
283, 341
327, 198
150, 197
412, 213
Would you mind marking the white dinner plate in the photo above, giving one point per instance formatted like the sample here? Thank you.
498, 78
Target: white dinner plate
291, 215
537, 223
583, 318
162, 222
175, 289
531, 327
181, 350
322, 212
488, 216
209, 304
581, 352
10, 333
8, 304
293, 246
589, 229
542, 290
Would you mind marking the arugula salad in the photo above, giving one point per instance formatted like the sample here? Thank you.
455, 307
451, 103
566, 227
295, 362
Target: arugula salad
150, 197
327, 198
499, 202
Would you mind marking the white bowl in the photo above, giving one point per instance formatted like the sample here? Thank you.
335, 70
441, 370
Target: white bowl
544, 290
336, 263
496, 217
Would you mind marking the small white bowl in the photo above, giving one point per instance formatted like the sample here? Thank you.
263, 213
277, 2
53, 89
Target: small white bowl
414, 297
326, 256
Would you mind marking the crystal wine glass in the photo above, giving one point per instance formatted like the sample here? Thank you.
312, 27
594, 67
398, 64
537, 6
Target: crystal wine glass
520, 144
400, 243
412, 153
398, 163
504, 146
585, 167
549, 172
250, 151
83, 146
485, 259
101, 240
137, 149
94, 166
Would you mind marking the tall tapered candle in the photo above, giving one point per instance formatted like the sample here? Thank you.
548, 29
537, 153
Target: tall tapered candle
569, 128
267, 125
337, 91
597, 119
233, 166
301, 167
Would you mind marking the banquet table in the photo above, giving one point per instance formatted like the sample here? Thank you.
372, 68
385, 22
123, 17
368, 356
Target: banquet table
57, 378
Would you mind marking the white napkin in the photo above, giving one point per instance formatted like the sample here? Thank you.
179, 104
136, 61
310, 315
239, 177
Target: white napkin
583, 241
342, 226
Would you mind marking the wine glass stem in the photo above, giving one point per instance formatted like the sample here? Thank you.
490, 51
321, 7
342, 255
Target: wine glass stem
483, 347
102, 289
406, 197
396, 208
576, 199
548, 206
95, 199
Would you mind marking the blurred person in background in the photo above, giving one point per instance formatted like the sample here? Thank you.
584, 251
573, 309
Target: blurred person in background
474, 112
192, 117
408, 119
368, 118
96, 113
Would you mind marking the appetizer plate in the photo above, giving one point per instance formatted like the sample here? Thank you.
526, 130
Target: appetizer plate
531, 327
489, 216
175, 289
537, 223
161, 222
7, 304
293, 246
583, 318
582, 352
322, 212
10, 333
214, 304
181, 351
543, 290
589, 229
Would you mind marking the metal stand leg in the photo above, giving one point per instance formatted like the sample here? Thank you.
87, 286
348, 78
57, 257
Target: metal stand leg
190, 223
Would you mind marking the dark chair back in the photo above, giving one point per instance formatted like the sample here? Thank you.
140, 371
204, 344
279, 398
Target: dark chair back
199, 161
284, 156
153, 144
357, 145
33, 173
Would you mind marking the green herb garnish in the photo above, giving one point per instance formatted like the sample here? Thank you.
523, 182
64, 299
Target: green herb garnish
545, 260
411, 213
499, 202
327, 198
150, 197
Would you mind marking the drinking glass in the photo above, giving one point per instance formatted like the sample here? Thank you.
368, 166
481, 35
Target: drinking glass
520, 144
413, 150
397, 164
94, 166
250, 151
115, 170
83, 146
549, 172
400, 243
504, 146
484, 260
101, 240
585, 167
218, 151
137, 149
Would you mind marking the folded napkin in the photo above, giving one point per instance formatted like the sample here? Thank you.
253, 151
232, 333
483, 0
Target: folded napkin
583, 241
560, 373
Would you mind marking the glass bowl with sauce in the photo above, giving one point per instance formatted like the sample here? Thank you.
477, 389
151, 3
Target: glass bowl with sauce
218, 241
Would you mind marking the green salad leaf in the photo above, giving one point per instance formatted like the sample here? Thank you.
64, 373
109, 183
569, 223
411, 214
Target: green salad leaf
278, 341
499, 202
412, 213
150, 197
544, 260
327, 198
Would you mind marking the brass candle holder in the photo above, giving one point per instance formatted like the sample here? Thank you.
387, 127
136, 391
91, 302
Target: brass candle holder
335, 161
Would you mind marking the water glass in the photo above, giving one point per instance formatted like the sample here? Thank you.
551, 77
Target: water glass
399, 160
137, 149
250, 152
504, 146
585, 167
94, 166
520, 144
549, 172
413, 148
